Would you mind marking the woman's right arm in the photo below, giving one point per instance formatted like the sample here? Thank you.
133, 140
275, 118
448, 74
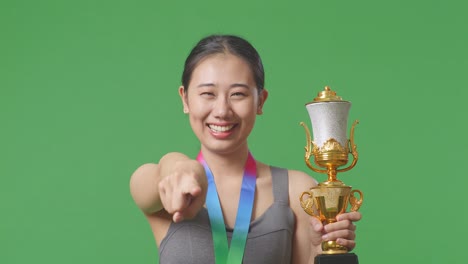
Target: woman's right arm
177, 184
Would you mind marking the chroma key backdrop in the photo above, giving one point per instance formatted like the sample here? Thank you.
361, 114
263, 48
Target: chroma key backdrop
88, 92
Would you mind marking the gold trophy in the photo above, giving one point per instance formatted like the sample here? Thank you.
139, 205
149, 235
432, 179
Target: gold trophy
330, 148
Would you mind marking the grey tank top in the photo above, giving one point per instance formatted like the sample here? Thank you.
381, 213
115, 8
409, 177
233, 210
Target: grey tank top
268, 241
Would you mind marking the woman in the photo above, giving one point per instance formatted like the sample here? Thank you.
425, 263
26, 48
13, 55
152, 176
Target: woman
191, 203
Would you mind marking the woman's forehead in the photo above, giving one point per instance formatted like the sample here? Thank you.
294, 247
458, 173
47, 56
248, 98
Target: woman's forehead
222, 69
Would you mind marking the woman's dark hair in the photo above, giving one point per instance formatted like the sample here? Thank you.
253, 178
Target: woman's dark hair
234, 45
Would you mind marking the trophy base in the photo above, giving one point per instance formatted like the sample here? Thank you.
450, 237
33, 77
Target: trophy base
348, 258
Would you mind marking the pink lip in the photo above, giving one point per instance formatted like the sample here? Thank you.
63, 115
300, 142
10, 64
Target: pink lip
221, 135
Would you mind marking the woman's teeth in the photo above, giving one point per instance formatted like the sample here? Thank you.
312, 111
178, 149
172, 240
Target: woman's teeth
216, 128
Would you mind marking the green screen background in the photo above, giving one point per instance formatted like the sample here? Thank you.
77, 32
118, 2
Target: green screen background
89, 93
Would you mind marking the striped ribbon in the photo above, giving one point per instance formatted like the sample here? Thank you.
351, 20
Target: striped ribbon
234, 253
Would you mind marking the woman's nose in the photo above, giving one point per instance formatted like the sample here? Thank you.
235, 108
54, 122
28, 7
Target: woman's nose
222, 108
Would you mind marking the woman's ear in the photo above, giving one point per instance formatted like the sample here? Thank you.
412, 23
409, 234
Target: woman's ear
261, 101
183, 97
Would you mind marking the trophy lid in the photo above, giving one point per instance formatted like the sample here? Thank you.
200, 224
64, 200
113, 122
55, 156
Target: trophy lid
327, 95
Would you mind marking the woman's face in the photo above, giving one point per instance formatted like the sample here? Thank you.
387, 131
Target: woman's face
222, 102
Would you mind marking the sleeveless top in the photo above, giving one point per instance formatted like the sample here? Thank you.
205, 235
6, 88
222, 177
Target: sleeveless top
269, 239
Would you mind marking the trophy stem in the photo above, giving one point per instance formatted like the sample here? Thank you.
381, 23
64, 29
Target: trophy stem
332, 180
331, 171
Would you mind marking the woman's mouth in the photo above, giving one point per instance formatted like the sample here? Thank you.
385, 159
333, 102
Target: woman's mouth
220, 129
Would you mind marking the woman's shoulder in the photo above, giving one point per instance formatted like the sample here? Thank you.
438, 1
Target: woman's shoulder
300, 182
300, 178
297, 178
145, 169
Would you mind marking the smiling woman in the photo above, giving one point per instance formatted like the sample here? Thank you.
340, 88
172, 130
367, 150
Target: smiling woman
222, 102
225, 206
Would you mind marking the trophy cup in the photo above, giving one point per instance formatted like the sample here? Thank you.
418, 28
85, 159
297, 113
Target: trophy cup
330, 148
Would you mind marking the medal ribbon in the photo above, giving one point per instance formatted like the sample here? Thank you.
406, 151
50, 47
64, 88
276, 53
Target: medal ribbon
235, 253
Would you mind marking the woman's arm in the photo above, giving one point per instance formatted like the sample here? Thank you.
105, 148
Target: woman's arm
306, 240
177, 184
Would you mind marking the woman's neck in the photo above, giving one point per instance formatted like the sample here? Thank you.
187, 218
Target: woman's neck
226, 164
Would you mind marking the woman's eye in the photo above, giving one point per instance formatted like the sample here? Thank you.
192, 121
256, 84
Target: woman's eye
238, 94
207, 94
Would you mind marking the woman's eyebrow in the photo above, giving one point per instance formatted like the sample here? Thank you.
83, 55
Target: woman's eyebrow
206, 85
230, 86
239, 85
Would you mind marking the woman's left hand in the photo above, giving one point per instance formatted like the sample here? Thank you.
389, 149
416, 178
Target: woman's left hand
343, 231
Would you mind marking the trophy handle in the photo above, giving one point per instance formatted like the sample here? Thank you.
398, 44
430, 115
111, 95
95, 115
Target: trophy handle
355, 202
352, 149
308, 204
309, 150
